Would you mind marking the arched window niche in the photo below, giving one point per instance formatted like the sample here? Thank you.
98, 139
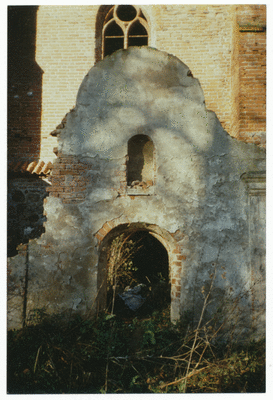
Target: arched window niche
140, 166
123, 26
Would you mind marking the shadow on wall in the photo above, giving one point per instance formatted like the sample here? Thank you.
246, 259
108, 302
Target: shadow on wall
24, 85
25, 191
26, 194
218, 211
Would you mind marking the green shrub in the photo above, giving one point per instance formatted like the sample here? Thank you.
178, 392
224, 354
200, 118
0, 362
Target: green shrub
108, 354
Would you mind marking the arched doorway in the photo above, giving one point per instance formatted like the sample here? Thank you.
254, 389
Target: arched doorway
135, 270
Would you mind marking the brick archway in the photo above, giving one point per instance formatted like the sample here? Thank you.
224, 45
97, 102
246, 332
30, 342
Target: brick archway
115, 227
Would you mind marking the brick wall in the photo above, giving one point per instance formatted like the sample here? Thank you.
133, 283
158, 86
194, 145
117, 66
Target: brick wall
68, 179
251, 20
65, 50
201, 37
252, 85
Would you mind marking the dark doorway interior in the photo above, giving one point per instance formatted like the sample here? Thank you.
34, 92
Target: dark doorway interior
138, 275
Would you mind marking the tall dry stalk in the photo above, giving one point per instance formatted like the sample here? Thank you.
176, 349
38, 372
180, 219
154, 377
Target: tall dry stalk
193, 347
118, 257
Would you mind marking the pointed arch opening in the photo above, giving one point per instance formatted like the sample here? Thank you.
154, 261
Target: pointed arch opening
113, 38
137, 36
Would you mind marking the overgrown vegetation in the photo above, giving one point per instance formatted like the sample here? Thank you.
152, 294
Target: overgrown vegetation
108, 354
141, 352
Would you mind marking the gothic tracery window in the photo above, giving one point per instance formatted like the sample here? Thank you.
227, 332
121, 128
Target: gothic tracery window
124, 26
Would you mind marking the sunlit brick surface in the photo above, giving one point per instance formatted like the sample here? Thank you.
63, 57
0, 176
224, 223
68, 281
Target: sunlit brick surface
223, 45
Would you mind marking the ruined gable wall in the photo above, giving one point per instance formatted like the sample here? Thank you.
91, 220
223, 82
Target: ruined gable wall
198, 189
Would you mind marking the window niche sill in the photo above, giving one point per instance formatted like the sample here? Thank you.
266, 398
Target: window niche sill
140, 191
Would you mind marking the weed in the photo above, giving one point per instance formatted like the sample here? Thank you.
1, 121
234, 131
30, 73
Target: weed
111, 354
